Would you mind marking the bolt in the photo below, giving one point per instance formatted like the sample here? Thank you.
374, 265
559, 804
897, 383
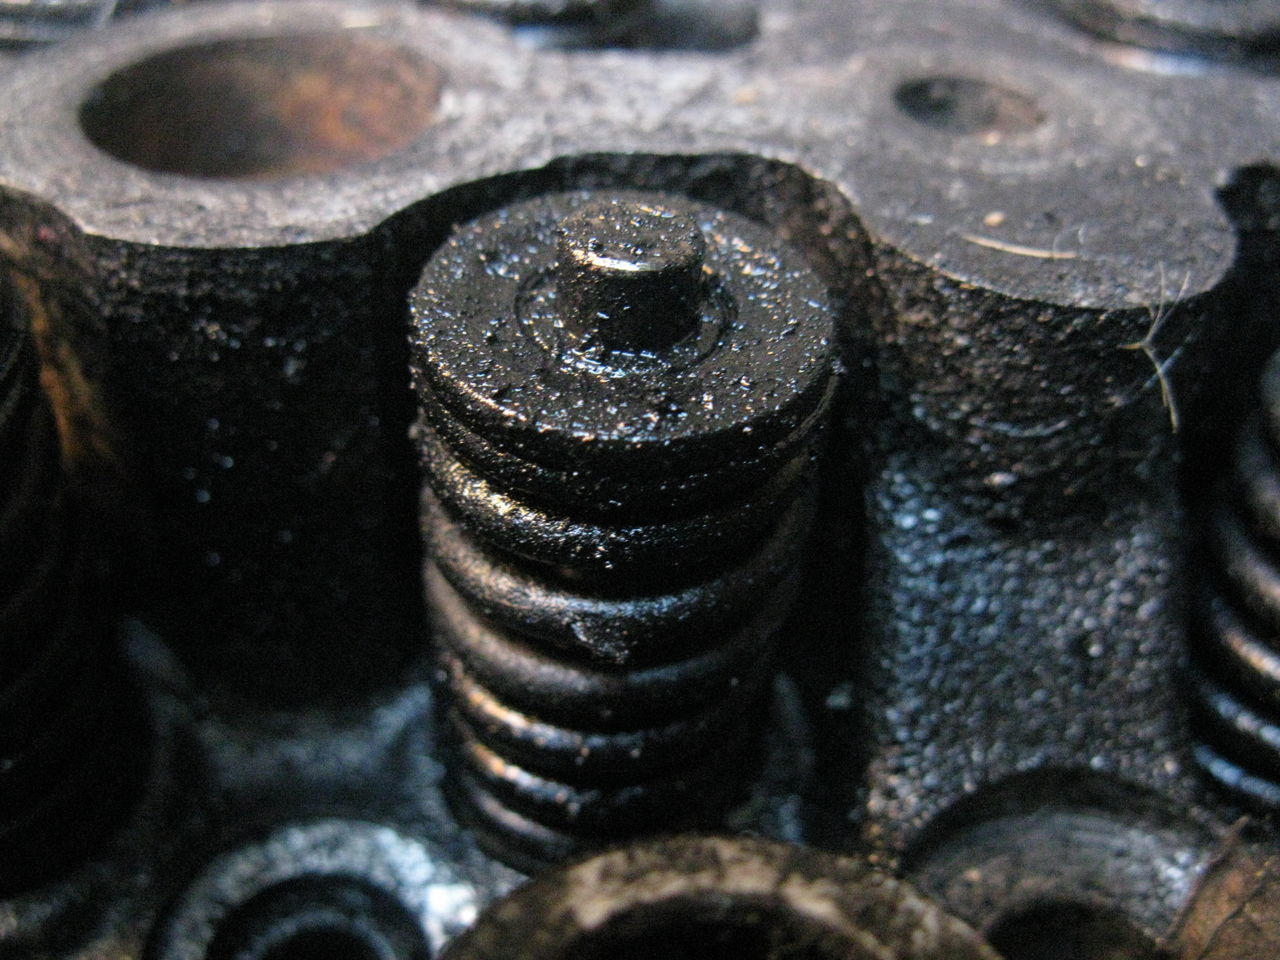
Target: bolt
631, 276
611, 557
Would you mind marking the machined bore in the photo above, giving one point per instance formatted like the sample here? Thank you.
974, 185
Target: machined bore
717, 898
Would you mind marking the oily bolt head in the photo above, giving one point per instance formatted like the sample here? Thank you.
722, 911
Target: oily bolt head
491, 345
629, 276
596, 624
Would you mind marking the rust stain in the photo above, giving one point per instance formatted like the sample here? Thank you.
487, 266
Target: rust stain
88, 442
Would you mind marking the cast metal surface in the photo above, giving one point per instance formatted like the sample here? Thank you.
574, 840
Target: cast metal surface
1052, 259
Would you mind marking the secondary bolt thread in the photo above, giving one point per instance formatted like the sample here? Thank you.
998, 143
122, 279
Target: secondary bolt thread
1234, 678
606, 613
63, 773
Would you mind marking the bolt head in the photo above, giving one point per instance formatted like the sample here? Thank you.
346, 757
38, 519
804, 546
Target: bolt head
630, 276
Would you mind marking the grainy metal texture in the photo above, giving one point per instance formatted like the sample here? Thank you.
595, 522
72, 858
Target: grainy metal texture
629, 342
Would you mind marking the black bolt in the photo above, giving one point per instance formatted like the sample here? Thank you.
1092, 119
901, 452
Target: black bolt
619, 430
630, 276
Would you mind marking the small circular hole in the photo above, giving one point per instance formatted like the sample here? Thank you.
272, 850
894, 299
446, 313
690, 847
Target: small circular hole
962, 105
264, 107
1071, 932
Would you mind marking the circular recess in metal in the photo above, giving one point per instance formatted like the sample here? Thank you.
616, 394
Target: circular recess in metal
320, 918
371, 889
718, 897
964, 105
263, 107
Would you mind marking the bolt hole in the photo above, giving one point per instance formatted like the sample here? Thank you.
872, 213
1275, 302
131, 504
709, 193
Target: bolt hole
1071, 932
264, 107
964, 106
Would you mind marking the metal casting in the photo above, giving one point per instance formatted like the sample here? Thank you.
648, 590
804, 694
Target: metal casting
1033, 248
